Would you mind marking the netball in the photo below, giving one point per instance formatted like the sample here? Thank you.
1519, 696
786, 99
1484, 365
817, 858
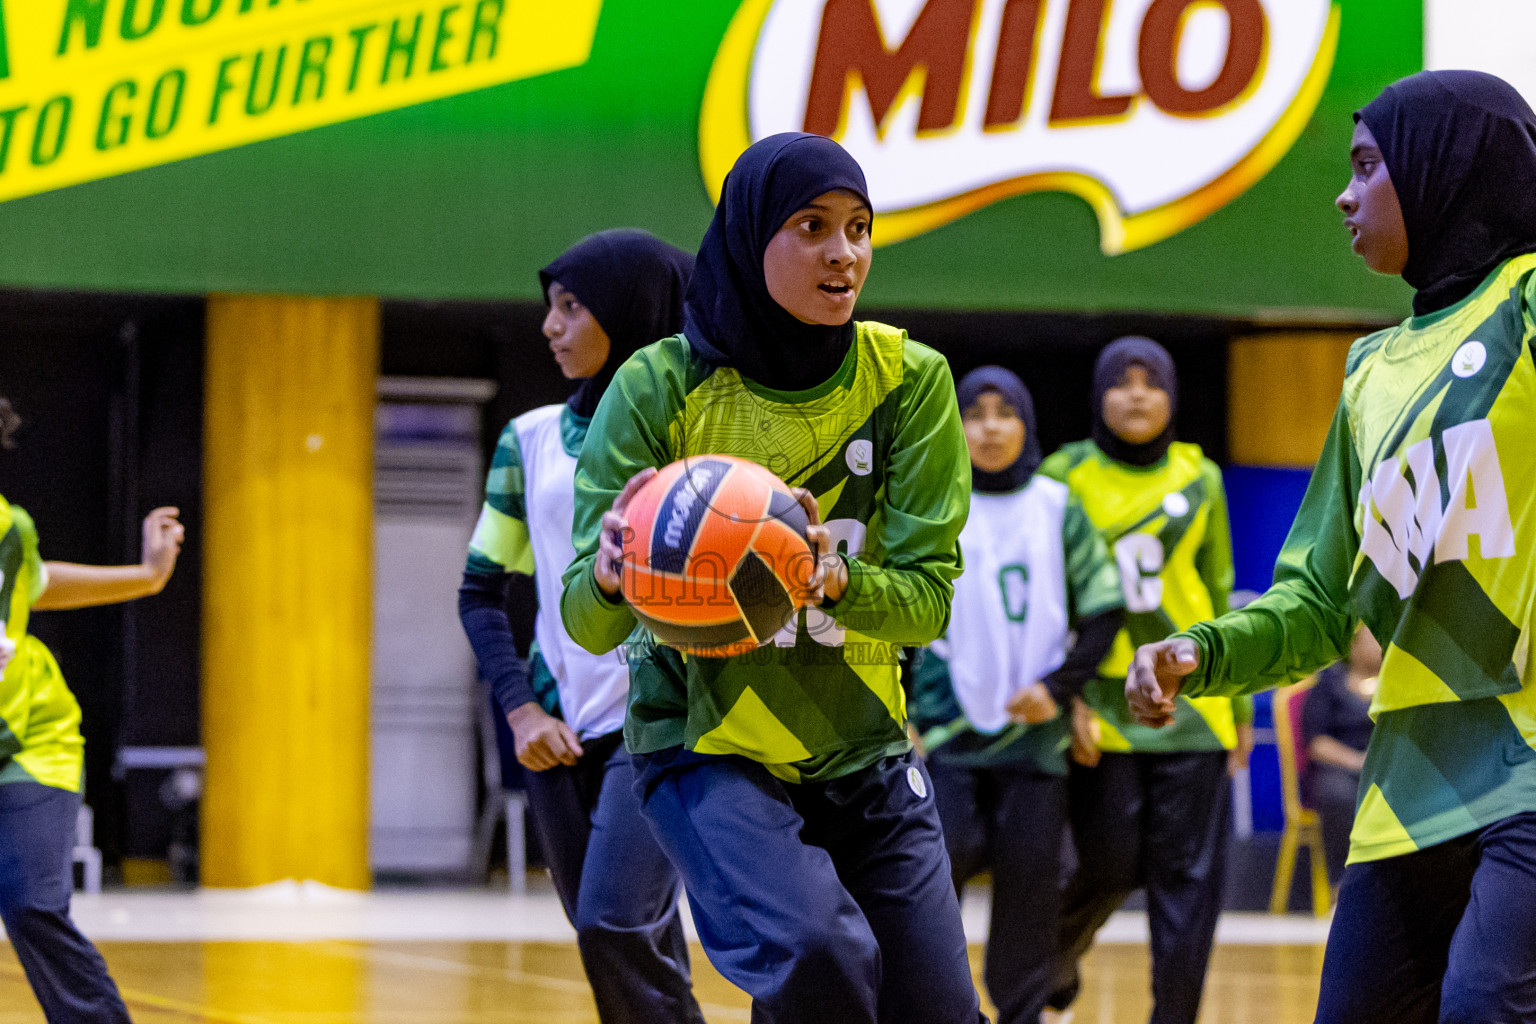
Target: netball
716, 555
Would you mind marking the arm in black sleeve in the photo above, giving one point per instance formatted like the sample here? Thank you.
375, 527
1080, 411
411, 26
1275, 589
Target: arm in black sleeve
483, 613
1095, 635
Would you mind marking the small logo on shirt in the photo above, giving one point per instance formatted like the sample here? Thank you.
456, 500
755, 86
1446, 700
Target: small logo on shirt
916, 781
860, 457
1176, 505
1469, 359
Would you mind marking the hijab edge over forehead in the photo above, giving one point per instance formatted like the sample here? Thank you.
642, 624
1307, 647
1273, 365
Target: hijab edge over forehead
1004, 382
731, 319
1460, 148
1108, 368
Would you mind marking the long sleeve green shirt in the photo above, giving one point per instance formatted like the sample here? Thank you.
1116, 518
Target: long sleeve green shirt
1420, 522
881, 447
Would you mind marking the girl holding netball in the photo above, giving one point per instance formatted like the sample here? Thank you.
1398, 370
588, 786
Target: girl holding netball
1420, 521
608, 295
42, 756
1154, 811
781, 783
989, 696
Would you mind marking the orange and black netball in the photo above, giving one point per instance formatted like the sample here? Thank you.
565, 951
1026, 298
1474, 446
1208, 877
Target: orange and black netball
716, 561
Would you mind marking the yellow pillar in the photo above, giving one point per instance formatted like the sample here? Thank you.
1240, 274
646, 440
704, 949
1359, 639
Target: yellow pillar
1281, 392
288, 520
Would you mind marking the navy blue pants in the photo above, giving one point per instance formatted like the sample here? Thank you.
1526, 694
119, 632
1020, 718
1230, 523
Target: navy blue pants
1159, 822
68, 975
825, 901
1445, 935
1009, 819
617, 887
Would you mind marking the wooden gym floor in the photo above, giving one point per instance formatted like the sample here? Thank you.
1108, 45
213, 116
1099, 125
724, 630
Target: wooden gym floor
304, 954
356, 982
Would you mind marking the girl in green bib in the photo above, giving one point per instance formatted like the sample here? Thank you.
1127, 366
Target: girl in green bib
42, 756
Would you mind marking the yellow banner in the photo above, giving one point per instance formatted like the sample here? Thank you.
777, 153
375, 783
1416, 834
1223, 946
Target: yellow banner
93, 88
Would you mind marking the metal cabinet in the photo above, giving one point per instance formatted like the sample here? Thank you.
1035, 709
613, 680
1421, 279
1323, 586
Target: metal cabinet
428, 479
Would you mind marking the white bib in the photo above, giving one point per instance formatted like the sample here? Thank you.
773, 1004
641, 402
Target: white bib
593, 689
1008, 627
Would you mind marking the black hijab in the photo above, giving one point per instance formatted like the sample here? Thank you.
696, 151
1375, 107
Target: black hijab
1012, 390
633, 283
1117, 357
1461, 149
731, 319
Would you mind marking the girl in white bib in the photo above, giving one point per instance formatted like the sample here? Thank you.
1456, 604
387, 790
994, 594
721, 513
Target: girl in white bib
990, 698
609, 295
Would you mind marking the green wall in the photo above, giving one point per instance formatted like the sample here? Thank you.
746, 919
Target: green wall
466, 197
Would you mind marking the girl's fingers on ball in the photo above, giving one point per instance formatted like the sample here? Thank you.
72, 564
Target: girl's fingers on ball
634, 483
808, 502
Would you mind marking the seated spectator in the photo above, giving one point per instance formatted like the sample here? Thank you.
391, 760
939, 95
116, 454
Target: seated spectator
1336, 726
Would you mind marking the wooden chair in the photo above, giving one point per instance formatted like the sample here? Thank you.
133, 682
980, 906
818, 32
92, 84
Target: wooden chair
1302, 824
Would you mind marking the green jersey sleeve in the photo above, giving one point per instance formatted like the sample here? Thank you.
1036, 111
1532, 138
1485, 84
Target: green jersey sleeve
500, 542
1093, 581
1302, 622
627, 434
901, 591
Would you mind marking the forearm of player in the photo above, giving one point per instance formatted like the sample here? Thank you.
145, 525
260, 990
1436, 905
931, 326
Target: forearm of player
928, 493
83, 586
482, 613
1302, 622
1095, 636
597, 622
908, 606
1277, 639
598, 619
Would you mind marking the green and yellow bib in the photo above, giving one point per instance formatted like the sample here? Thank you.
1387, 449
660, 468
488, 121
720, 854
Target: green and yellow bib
1166, 526
39, 718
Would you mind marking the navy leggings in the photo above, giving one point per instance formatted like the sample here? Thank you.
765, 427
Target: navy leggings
1009, 820
68, 975
617, 887
827, 901
1162, 822
1445, 935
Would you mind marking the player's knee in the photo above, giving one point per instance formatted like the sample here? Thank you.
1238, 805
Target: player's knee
827, 949
596, 928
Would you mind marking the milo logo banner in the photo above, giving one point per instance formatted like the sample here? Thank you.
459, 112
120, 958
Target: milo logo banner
1164, 155
90, 88
1156, 112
